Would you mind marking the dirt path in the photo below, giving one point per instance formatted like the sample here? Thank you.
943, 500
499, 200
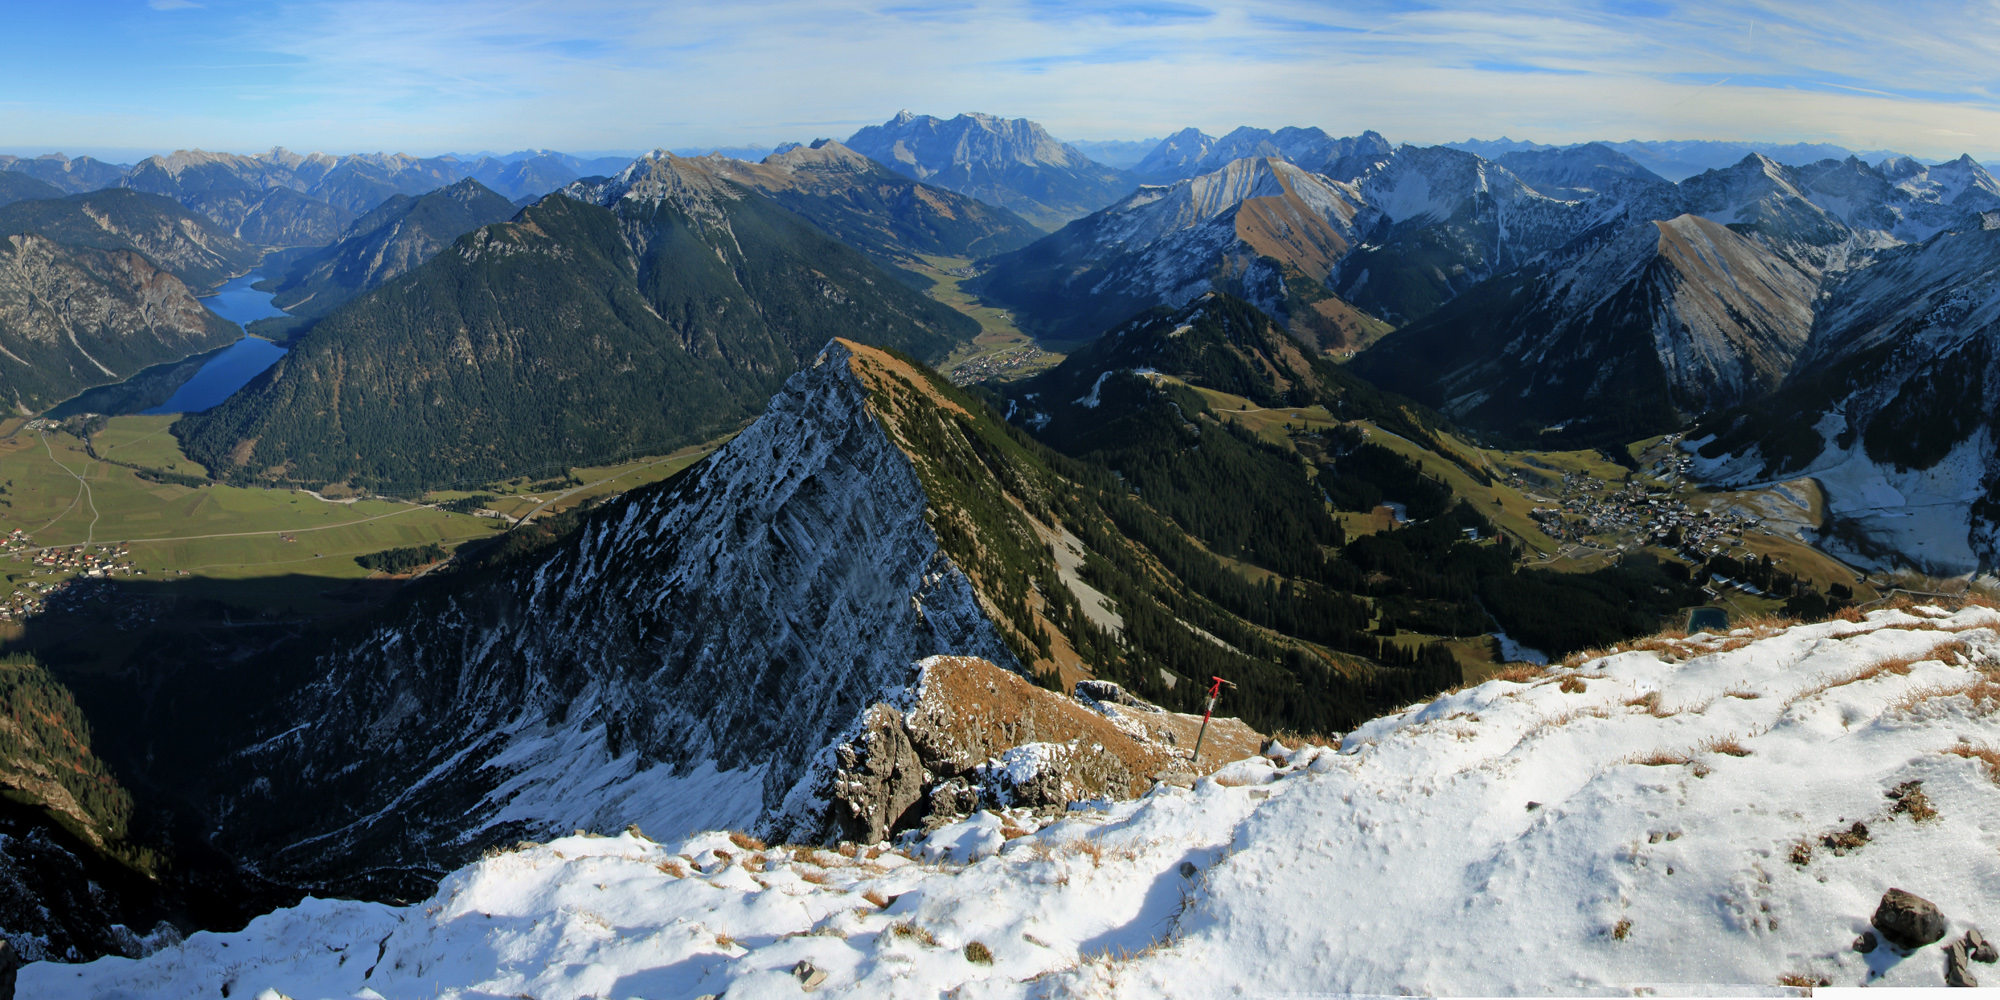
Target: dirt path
83, 493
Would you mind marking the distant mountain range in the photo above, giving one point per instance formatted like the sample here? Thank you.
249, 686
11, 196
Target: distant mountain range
1189, 152
1582, 294
1677, 160
633, 314
1013, 163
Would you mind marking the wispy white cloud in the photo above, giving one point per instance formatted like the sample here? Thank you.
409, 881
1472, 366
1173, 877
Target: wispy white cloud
367, 74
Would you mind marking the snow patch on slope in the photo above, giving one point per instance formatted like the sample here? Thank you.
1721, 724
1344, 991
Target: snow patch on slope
1654, 823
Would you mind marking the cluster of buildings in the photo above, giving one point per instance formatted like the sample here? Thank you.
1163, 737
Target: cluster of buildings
1016, 362
75, 566
81, 560
1632, 516
25, 602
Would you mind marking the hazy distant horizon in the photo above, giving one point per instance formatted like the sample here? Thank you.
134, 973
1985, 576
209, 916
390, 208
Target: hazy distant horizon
624, 74
128, 156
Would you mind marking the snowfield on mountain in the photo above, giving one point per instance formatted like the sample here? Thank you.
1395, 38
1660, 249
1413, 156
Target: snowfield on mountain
1714, 810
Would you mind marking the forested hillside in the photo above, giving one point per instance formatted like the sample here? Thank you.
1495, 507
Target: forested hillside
575, 334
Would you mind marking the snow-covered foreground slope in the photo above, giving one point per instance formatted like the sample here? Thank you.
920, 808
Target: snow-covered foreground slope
1656, 816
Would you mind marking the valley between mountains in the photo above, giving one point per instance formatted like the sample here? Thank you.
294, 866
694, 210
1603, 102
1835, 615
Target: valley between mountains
689, 575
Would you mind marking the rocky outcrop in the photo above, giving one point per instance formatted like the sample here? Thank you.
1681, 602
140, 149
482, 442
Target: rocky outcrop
976, 736
1015, 164
74, 317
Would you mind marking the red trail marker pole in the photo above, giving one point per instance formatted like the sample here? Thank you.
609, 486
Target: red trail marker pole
1214, 692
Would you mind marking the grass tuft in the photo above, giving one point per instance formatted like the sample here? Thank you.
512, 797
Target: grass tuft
1982, 752
911, 932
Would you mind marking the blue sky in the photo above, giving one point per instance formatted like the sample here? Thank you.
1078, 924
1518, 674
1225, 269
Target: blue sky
131, 77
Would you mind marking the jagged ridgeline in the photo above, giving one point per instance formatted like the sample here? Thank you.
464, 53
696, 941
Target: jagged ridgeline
631, 315
686, 655
192, 248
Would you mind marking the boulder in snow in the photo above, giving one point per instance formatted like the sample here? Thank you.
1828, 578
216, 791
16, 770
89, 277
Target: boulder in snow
1908, 920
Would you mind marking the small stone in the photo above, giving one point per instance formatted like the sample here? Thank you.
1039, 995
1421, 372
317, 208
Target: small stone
1955, 971
1979, 949
810, 976
1865, 943
1908, 920
1532, 806
1188, 870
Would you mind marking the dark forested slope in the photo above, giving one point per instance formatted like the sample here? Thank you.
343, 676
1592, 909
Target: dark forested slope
636, 314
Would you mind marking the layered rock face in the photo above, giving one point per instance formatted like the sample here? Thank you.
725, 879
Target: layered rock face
1891, 409
1013, 163
1260, 228
72, 318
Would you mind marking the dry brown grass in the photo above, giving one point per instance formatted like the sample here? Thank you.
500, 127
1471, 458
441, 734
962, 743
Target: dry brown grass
1659, 758
1727, 745
674, 867
1744, 693
1804, 981
1652, 704
1982, 689
724, 940
1565, 718
1519, 673
1573, 685
1763, 626
1984, 753
1621, 929
978, 954
1582, 656
816, 876
1850, 614
876, 899
911, 932
1295, 739
745, 841
848, 850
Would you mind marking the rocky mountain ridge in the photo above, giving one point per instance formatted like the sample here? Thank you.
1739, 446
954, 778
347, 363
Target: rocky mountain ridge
1889, 409
1013, 163
1260, 228
693, 656
679, 278
395, 237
